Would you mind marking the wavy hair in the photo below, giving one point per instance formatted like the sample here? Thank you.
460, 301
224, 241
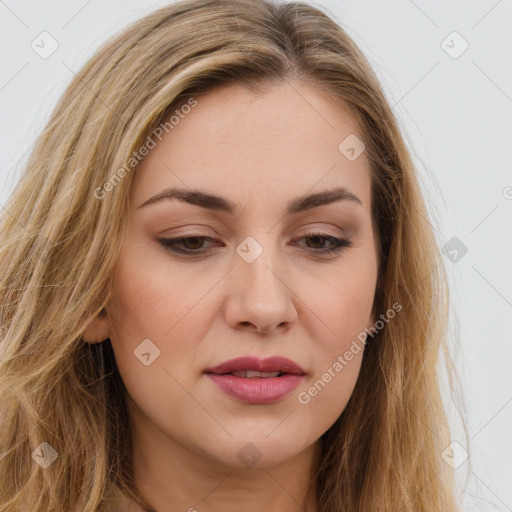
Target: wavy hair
62, 228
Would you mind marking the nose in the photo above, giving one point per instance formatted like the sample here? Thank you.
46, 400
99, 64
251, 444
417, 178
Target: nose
261, 298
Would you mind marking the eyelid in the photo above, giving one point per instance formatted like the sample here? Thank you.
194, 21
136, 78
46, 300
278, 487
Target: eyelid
340, 244
320, 230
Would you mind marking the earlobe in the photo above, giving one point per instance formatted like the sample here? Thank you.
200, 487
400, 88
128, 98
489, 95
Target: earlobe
98, 329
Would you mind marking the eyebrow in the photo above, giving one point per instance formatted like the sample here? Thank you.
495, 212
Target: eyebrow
221, 204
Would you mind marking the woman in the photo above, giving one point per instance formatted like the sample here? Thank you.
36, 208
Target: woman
175, 337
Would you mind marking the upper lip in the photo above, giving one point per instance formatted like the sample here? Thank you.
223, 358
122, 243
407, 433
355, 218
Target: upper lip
269, 364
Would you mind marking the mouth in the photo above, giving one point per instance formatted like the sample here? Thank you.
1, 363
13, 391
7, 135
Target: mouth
257, 381
252, 374
253, 367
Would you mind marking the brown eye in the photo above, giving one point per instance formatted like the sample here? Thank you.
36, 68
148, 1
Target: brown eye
191, 245
318, 239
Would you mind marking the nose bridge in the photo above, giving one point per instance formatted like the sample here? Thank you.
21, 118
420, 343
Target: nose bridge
261, 294
257, 259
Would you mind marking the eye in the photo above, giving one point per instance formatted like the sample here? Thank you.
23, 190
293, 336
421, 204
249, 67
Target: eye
193, 245
338, 244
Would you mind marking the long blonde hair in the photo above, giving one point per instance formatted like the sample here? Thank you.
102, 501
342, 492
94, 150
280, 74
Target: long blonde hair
62, 228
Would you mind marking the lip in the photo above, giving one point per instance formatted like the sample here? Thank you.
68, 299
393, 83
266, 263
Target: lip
269, 364
257, 390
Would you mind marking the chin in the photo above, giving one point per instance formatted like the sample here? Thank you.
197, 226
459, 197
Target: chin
262, 450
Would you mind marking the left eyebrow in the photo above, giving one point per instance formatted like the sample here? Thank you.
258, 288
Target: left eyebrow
218, 203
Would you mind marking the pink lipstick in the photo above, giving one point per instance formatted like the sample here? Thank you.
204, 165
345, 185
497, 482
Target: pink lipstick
257, 381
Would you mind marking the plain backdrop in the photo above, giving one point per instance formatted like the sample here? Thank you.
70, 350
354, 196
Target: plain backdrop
446, 70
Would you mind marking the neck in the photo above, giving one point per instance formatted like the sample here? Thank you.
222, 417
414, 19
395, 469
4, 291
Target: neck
171, 477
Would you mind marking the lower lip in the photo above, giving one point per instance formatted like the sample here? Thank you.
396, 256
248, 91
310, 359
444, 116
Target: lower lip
257, 390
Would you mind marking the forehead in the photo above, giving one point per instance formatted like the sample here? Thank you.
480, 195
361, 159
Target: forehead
284, 139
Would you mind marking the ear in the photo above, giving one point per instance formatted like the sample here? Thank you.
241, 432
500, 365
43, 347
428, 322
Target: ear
98, 329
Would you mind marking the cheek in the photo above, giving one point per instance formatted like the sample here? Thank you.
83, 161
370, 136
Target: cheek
343, 312
344, 306
152, 301
152, 296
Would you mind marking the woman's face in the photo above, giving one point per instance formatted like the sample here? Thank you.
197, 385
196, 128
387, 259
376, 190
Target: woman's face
256, 281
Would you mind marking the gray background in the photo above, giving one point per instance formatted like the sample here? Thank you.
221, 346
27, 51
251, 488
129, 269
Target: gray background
456, 114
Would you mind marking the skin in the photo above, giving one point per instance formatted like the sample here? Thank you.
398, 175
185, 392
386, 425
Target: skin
202, 310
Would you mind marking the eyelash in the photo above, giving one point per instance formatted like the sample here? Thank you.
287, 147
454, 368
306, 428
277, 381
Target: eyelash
340, 244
